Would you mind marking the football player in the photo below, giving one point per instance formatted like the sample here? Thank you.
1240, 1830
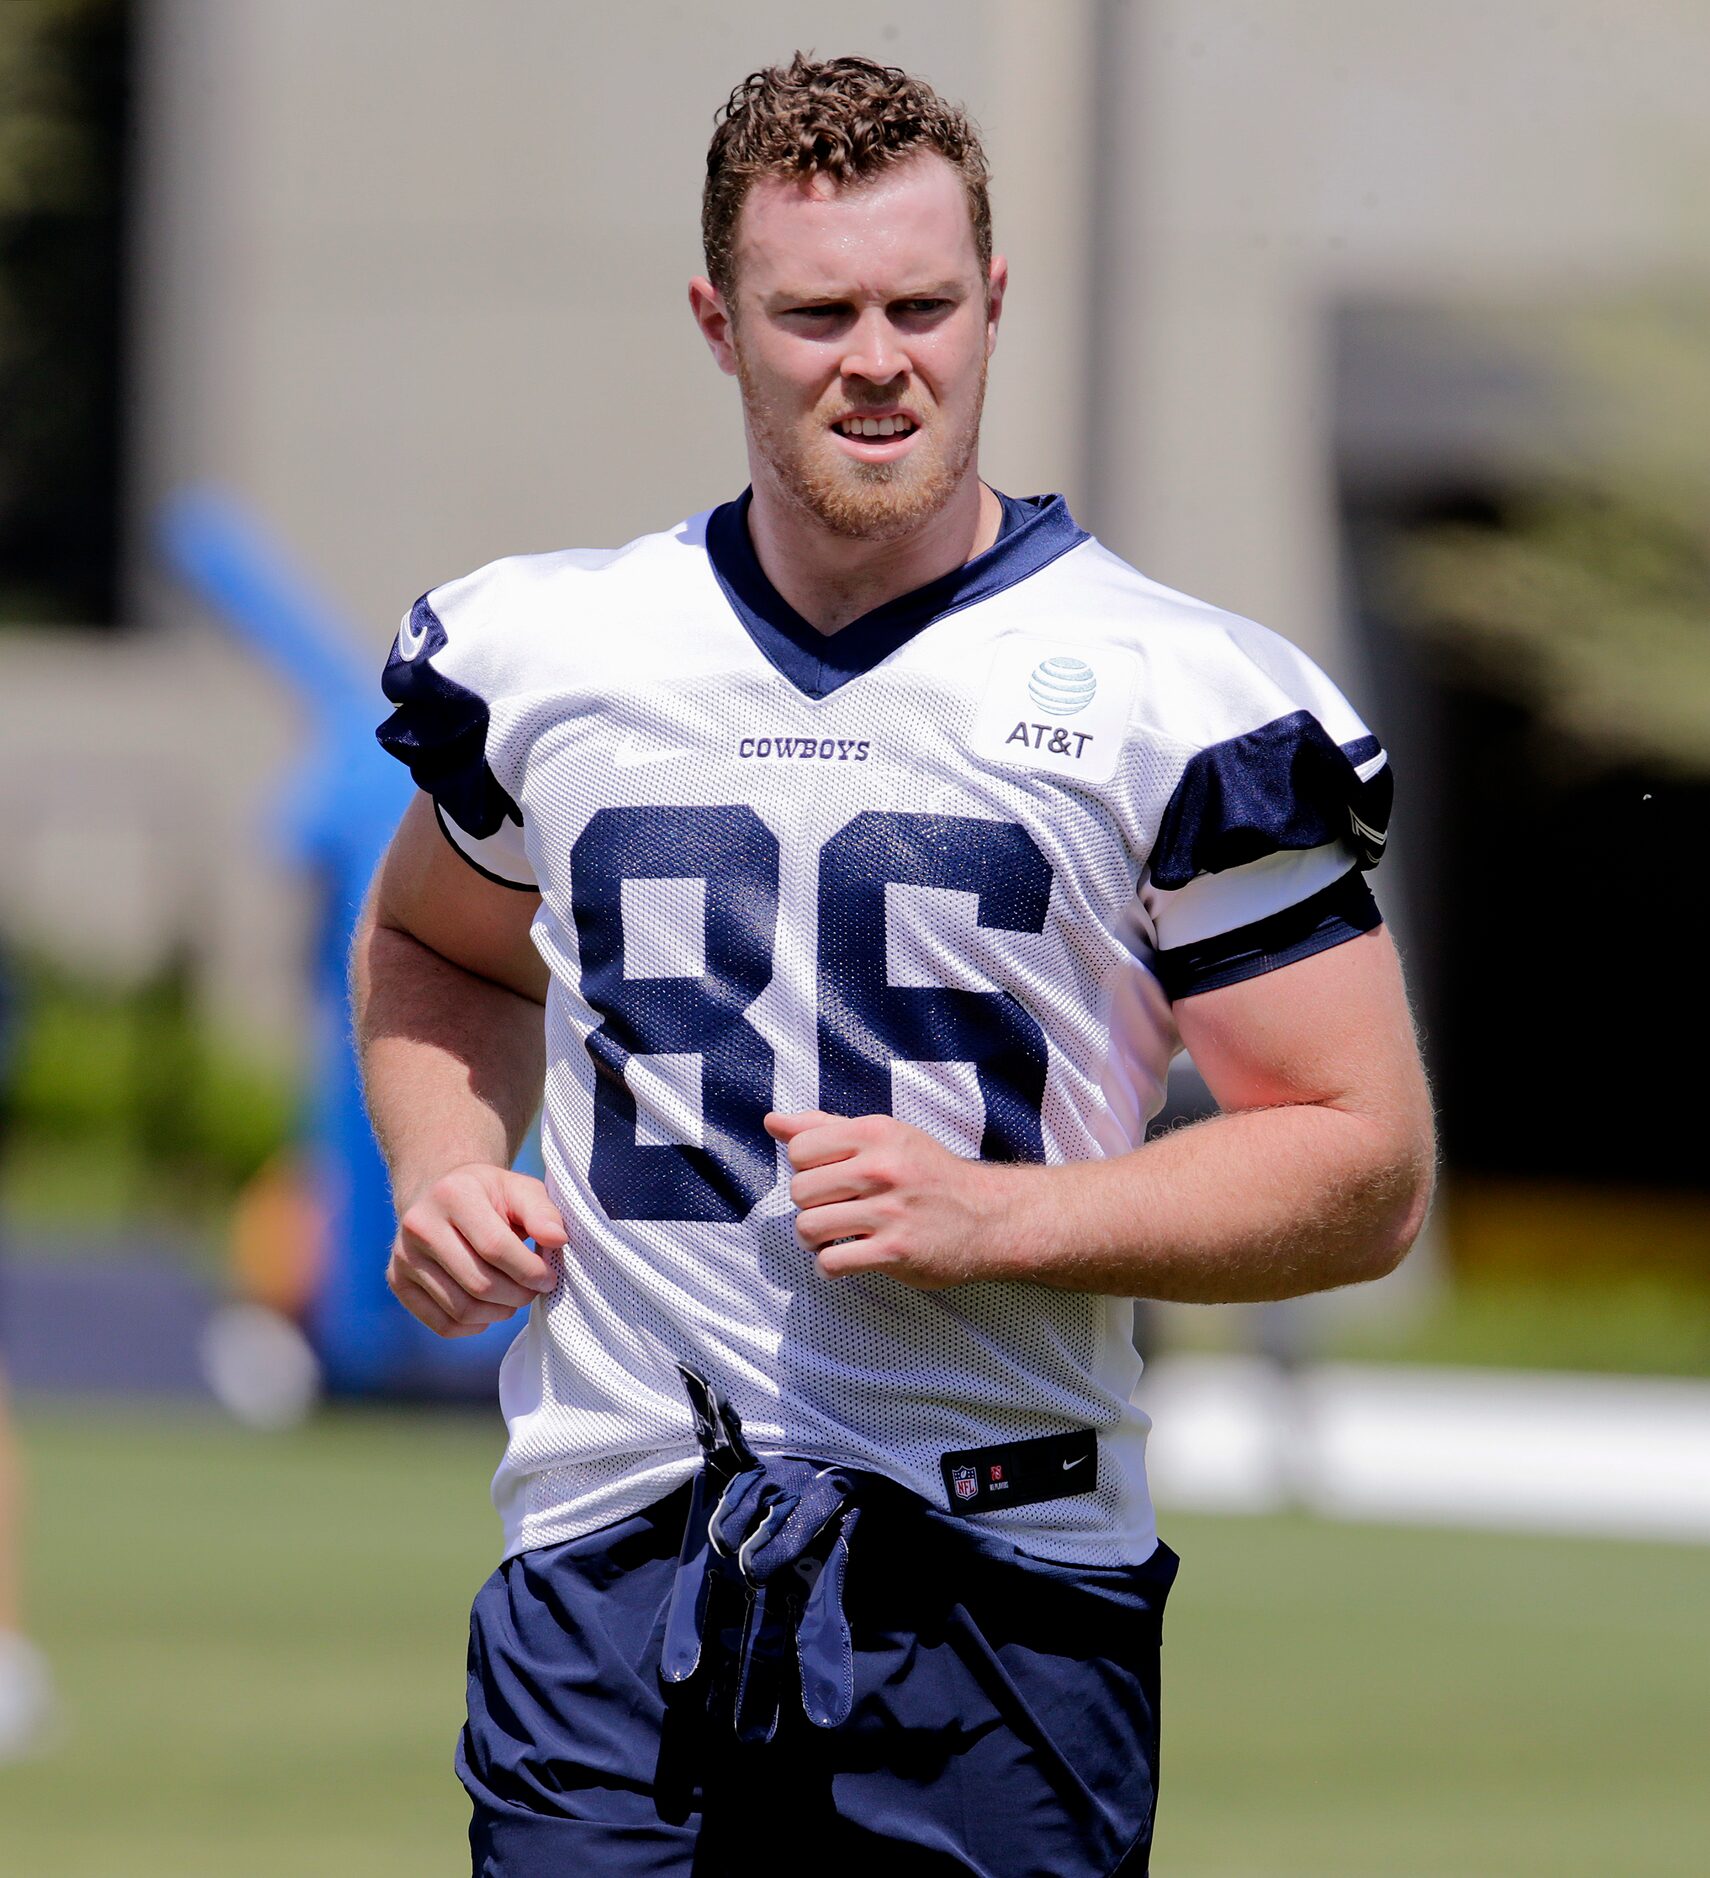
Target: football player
842, 867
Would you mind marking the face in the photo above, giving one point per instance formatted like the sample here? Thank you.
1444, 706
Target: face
859, 326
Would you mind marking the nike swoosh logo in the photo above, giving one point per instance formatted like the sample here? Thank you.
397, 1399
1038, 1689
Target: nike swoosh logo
1076, 1461
411, 638
631, 755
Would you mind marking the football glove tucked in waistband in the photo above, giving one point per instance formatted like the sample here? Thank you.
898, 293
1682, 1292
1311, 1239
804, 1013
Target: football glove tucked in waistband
779, 1527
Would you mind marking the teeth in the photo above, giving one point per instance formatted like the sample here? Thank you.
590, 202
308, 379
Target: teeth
875, 426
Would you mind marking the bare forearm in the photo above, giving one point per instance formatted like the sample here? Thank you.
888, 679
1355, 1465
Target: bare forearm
1267, 1203
452, 1063
1316, 1174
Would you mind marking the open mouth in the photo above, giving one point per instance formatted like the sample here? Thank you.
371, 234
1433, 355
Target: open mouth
875, 439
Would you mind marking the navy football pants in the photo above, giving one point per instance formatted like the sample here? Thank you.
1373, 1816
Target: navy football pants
1005, 1720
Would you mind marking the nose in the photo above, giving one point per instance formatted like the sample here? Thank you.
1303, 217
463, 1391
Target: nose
875, 350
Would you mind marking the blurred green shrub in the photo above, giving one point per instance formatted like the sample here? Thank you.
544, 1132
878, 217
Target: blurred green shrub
1587, 598
126, 1110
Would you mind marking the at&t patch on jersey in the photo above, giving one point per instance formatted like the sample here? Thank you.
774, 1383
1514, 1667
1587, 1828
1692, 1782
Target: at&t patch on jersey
1055, 706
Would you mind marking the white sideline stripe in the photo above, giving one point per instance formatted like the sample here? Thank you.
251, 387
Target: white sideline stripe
1551, 1452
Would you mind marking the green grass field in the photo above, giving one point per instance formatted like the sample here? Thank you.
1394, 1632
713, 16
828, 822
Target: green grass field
261, 1644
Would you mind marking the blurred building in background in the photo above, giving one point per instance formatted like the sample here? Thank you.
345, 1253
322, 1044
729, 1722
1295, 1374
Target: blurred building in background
1385, 325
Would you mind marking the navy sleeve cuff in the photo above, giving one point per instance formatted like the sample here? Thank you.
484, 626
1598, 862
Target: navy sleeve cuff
1286, 785
1343, 911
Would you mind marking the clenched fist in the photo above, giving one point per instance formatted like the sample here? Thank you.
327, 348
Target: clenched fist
459, 1262
879, 1196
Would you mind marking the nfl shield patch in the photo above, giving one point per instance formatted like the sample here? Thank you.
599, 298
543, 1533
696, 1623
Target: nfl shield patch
966, 1482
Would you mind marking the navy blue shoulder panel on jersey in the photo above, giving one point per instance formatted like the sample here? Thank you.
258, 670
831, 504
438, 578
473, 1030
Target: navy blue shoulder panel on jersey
1286, 785
439, 732
1034, 532
1343, 910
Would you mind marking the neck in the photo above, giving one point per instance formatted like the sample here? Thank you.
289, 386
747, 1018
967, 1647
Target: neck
831, 579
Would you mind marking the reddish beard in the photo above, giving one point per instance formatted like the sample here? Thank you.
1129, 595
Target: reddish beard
862, 501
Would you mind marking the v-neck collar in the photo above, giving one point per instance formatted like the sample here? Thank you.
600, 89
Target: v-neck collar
1034, 532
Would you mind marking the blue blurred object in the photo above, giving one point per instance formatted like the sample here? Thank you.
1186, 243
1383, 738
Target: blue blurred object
340, 809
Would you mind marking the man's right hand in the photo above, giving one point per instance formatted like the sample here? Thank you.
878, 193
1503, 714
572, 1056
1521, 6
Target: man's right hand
459, 1262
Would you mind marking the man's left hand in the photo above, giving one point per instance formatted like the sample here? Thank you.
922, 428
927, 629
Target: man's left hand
879, 1196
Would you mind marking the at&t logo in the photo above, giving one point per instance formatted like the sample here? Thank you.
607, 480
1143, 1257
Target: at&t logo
1061, 687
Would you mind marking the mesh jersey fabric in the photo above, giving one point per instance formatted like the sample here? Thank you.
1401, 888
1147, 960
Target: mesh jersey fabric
954, 866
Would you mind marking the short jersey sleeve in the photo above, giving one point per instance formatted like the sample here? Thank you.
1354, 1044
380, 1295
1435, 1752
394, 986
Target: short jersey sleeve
444, 681
1263, 843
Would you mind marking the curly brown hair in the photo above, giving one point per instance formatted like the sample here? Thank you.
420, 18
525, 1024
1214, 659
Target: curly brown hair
846, 118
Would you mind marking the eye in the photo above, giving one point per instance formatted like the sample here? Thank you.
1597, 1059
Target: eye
923, 309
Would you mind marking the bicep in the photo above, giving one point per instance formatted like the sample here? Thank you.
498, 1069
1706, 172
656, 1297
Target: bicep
1332, 1029
427, 890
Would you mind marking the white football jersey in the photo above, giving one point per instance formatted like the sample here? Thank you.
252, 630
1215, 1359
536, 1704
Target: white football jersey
953, 863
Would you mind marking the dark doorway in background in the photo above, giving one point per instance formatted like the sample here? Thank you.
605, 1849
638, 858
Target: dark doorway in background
65, 174
1555, 885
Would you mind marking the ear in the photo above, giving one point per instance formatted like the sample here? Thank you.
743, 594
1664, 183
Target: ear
998, 282
713, 318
